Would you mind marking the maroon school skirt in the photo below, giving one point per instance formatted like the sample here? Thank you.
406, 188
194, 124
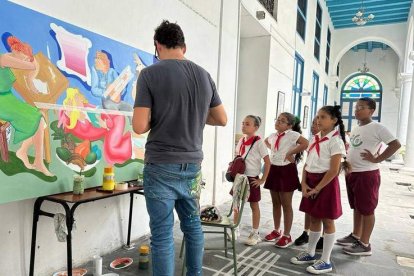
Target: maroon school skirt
255, 194
327, 204
283, 178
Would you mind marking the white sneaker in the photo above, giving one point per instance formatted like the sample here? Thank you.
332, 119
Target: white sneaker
253, 239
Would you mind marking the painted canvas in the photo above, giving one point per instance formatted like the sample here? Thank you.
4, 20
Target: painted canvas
66, 101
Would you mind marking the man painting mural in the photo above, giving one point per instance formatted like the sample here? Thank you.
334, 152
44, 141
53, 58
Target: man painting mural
175, 99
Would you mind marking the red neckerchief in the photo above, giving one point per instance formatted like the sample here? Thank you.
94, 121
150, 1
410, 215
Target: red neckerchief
279, 137
318, 141
247, 143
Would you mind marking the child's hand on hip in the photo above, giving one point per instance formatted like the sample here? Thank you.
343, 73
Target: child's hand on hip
367, 155
257, 182
290, 157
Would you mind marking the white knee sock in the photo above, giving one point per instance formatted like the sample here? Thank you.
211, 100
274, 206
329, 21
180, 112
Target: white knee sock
313, 240
328, 244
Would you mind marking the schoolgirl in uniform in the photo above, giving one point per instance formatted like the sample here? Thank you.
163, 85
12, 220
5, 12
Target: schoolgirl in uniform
255, 149
320, 187
286, 145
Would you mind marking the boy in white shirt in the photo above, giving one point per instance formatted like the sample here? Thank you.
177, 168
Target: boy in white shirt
364, 180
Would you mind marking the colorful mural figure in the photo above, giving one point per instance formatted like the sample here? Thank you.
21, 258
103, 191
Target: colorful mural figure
66, 99
117, 145
26, 120
108, 85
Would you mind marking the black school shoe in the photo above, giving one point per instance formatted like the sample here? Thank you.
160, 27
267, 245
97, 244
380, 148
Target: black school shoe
303, 239
319, 245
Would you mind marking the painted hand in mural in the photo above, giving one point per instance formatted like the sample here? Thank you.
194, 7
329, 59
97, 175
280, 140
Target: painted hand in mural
31, 77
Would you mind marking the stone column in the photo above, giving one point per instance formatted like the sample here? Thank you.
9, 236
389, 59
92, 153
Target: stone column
333, 90
409, 148
405, 95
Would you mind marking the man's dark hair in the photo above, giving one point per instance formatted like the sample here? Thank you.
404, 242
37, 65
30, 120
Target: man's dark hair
370, 102
169, 34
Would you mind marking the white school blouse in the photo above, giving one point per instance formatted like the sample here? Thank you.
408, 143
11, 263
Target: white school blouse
286, 143
333, 146
254, 159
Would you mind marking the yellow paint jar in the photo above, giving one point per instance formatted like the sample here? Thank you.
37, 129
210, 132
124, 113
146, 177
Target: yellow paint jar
108, 183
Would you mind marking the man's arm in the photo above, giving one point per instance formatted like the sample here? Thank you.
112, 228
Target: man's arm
141, 119
217, 116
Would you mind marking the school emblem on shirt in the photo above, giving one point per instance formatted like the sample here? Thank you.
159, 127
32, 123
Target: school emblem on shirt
356, 140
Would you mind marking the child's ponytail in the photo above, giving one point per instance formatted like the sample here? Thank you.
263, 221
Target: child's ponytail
335, 111
295, 123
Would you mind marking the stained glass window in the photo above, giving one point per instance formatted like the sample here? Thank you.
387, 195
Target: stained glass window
361, 85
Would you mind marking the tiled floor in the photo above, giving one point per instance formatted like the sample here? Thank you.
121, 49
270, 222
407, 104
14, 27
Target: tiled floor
392, 239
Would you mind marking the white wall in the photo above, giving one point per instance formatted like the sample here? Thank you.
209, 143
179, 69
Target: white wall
253, 79
280, 79
102, 225
384, 65
284, 43
394, 35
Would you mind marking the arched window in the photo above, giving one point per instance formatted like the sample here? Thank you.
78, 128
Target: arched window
357, 86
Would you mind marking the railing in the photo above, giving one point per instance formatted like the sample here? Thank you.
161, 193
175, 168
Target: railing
269, 5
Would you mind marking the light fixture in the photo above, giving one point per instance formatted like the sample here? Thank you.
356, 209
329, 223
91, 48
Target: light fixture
359, 17
260, 15
364, 68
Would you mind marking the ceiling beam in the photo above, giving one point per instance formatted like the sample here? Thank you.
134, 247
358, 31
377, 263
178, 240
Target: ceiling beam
353, 3
403, 18
375, 12
383, 22
378, 21
376, 18
405, 3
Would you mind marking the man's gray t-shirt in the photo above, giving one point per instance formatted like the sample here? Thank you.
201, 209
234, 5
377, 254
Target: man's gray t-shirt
179, 93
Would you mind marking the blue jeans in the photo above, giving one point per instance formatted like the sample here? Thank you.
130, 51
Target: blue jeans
167, 186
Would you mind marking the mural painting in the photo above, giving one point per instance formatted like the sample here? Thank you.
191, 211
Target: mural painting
66, 101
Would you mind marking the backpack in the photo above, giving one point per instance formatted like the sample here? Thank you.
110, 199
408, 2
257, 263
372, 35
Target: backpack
238, 165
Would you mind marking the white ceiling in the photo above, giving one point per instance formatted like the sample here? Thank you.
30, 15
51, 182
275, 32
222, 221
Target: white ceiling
249, 26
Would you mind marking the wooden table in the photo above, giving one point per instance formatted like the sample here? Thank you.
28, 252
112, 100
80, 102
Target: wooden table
65, 199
